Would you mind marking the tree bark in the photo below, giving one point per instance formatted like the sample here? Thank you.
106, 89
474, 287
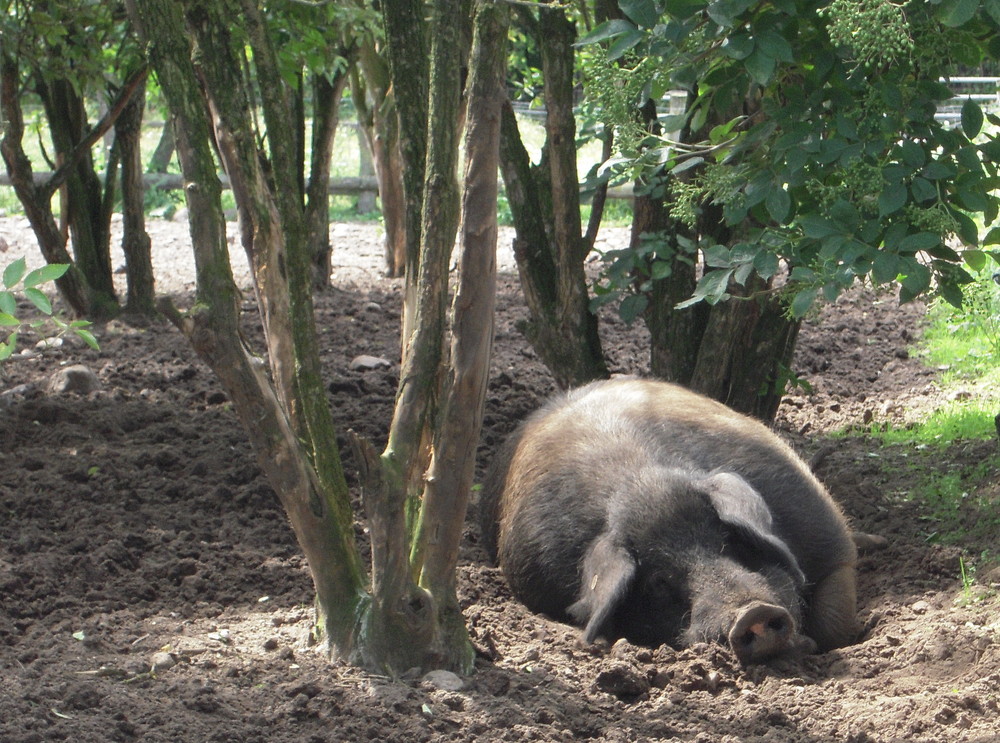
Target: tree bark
326, 117
379, 120
73, 284
407, 49
89, 226
288, 423
135, 241
452, 466
164, 152
545, 204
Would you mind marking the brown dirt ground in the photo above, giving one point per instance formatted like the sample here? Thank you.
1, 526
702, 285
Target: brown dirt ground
135, 520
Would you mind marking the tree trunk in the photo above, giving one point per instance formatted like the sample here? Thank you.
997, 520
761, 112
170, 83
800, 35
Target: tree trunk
406, 620
407, 50
452, 466
36, 200
544, 202
379, 121
159, 162
326, 117
89, 226
294, 441
135, 241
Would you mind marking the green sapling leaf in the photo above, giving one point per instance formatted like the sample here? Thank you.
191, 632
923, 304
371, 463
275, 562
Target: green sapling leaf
87, 337
8, 303
13, 273
39, 299
46, 273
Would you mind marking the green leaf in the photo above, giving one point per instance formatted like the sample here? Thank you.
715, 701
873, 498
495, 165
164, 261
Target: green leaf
713, 285
766, 264
992, 238
605, 31
760, 65
885, 267
955, 13
39, 299
817, 227
13, 273
625, 42
803, 301
912, 154
8, 303
777, 46
687, 164
923, 190
892, 198
642, 12
938, 169
778, 204
916, 281
974, 259
972, 118
718, 256
7, 349
49, 272
87, 337
919, 241
660, 270
632, 306
682, 9
738, 46
8, 320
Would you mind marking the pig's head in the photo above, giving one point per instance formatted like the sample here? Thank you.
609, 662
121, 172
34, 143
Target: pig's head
693, 559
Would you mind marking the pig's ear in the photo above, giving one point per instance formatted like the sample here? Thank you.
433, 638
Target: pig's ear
742, 507
608, 571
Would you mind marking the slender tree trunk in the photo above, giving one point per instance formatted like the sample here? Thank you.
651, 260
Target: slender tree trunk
451, 469
407, 47
135, 240
35, 200
326, 117
379, 120
88, 225
544, 202
159, 162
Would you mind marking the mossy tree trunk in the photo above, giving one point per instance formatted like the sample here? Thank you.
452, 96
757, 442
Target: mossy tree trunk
326, 95
408, 617
545, 204
141, 297
375, 101
738, 351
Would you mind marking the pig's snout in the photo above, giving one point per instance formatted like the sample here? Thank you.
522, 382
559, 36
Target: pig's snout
762, 631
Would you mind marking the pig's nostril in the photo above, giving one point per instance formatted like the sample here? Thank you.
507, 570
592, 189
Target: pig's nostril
777, 624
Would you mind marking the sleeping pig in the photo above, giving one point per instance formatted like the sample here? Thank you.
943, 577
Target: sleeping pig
638, 509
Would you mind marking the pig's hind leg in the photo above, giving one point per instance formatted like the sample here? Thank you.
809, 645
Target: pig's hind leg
831, 619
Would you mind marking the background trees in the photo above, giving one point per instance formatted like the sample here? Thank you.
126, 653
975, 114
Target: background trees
57, 50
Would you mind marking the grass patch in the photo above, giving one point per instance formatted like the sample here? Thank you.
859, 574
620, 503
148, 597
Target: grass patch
949, 461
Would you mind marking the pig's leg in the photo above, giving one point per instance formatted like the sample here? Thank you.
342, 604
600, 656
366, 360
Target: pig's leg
832, 620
